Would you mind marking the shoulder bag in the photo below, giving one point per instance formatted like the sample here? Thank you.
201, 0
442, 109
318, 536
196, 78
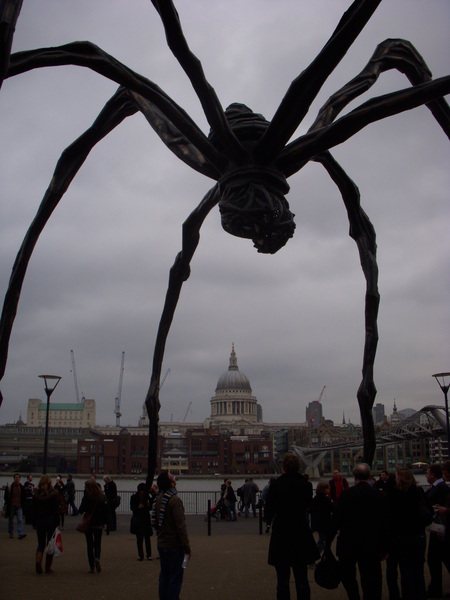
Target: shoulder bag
85, 523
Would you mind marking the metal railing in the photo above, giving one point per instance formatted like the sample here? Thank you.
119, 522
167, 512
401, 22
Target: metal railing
195, 503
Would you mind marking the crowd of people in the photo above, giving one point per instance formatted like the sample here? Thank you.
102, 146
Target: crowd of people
374, 520
159, 508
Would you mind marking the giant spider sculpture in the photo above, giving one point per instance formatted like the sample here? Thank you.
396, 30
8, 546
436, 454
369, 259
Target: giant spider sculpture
249, 157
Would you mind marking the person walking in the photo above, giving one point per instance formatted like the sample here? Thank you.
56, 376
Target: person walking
70, 491
292, 545
110, 490
61, 489
250, 489
230, 499
29, 493
93, 506
140, 525
45, 517
362, 518
169, 521
15, 500
409, 512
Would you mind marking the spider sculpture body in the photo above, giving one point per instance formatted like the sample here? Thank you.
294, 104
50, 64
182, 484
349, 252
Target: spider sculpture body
249, 157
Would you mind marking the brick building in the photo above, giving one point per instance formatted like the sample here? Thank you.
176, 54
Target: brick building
195, 452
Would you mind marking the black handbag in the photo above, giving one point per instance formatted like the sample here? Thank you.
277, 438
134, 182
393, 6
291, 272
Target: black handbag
327, 572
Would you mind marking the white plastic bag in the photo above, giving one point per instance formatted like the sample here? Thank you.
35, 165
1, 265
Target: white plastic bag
54, 546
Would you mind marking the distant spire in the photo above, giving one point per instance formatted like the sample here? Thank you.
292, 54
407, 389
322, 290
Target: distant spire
343, 418
395, 407
233, 360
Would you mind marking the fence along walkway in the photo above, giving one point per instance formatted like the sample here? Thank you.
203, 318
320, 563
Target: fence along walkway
195, 503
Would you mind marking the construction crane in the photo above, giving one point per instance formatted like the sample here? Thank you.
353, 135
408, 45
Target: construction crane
316, 408
75, 380
144, 408
186, 413
164, 378
119, 392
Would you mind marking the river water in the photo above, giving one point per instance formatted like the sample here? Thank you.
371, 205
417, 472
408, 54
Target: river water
184, 484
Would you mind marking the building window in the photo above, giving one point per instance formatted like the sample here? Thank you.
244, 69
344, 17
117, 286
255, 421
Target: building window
196, 445
212, 446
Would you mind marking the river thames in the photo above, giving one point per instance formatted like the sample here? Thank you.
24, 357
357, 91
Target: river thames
184, 484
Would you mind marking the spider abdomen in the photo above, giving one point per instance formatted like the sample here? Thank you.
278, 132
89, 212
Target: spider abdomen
252, 197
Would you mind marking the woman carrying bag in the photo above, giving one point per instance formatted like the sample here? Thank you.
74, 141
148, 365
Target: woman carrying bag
45, 516
93, 507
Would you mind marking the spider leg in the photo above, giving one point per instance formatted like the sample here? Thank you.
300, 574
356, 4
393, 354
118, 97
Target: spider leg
179, 273
306, 86
362, 231
305, 148
9, 13
193, 68
86, 54
118, 108
390, 54
177, 143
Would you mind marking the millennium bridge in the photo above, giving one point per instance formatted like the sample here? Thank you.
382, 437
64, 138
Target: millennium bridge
428, 422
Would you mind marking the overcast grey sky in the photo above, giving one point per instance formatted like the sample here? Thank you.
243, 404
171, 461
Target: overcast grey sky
97, 280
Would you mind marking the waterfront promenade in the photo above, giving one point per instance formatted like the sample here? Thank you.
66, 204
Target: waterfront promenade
231, 563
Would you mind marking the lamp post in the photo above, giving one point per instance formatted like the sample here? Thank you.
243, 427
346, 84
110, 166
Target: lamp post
440, 378
50, 383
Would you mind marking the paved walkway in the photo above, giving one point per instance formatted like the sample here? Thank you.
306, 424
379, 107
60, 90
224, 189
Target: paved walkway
229, 564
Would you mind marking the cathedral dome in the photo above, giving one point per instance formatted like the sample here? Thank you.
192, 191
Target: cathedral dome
233, 379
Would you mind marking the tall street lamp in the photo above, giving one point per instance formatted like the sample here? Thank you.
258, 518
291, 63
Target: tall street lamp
440, 378
50, 383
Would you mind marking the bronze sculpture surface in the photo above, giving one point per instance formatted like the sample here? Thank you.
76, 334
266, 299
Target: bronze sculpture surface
249, 157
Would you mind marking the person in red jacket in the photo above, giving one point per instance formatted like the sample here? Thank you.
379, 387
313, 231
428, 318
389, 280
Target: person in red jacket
337, 485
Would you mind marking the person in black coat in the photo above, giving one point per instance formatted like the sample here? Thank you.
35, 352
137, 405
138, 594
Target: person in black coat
45, 517
292, 544
362, 518
230, 499
437, 494
409, 516
321, 510
140, 525
94, 506
110, 490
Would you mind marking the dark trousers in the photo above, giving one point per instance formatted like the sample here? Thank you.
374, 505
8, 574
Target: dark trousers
71, 503
301, 581
45, 526
411, 559
140, 538
392, 573
111, 520
94, 544
438, 553
171, 574
369, 566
